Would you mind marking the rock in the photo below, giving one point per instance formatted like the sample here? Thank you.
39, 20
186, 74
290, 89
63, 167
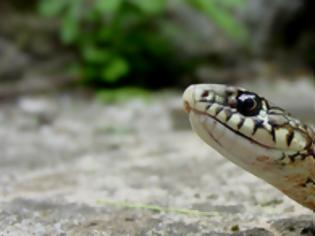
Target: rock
12, 61
31, 59
301, 226
38, 108
118, 169
254, 232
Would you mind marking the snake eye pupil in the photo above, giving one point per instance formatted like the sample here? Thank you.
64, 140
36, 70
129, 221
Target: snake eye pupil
248, 104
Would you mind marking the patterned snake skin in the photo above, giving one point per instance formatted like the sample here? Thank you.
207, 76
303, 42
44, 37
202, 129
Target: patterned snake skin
257, 136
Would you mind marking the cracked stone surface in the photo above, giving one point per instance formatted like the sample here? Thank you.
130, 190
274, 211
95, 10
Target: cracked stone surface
75, 166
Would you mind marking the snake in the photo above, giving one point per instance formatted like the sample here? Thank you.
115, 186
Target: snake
256, 135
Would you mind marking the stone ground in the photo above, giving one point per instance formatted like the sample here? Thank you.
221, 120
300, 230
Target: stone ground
75, 166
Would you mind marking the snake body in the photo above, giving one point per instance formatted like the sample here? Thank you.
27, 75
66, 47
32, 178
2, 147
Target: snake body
257, 136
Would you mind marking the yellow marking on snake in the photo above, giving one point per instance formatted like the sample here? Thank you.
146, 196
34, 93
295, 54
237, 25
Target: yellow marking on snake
262, 139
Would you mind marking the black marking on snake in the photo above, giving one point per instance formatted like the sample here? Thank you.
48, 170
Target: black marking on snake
266, 103
305, 127
228, 114
283, 156
308, 181
273, 122
257, 125
226, 100
241, 123
218, 110
273, 134
293, 156
290, 137
306, 153
309, 143
276, 110
212, 98
209, 106
235, 131
229, 92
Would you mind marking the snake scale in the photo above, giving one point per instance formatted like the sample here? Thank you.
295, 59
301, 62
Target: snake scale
257, 136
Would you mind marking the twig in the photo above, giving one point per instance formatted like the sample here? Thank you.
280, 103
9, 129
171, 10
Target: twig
155, 208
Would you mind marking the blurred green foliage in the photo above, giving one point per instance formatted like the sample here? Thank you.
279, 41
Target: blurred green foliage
122, 94
122, 42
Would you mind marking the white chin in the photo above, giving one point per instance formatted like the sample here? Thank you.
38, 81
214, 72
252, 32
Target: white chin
234, 147
212, 132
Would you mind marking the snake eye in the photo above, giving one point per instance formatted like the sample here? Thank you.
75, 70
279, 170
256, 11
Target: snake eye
248, 104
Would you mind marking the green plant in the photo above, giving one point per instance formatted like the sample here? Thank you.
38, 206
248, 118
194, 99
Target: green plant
121, 41
122, 94
218, 11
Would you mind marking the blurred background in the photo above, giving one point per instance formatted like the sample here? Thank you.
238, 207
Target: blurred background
90, 107
103, 44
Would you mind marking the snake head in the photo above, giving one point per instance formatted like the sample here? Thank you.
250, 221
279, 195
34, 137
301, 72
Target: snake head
236, 122
256, 135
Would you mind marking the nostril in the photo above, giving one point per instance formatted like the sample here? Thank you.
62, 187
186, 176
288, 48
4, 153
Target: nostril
205, 94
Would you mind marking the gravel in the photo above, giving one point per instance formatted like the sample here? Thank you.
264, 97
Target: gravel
76, 166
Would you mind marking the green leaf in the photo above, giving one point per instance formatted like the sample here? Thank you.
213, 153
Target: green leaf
92, 54
221, 18
107, 6
88, 72
115, 69
51, 8
151, 6
122, 94
70, 29
231, 3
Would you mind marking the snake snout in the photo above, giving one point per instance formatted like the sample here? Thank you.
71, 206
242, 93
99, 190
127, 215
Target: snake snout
189, 98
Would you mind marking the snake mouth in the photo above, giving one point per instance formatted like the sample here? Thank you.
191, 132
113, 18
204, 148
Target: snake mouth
190, 109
